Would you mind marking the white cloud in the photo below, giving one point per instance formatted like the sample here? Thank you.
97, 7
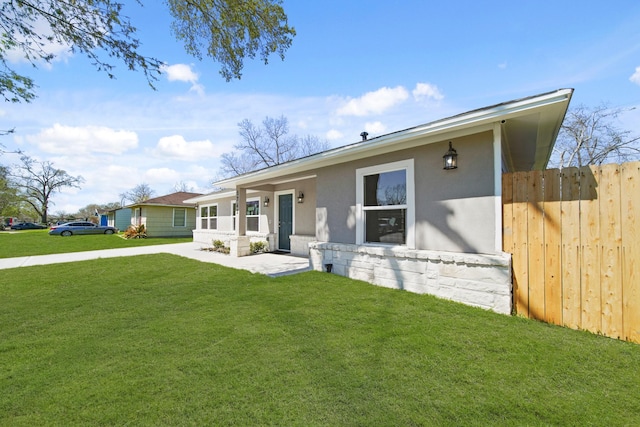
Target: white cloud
83, 140
176, 147
162, 176
375, 128
183, 73
427, 91
376, 102
334, 135
635, 78
179, 72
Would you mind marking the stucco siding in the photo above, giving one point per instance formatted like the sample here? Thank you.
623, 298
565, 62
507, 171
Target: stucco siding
454, 210
304, 213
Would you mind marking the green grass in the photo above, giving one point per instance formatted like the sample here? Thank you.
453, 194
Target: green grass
38, 242
162, 340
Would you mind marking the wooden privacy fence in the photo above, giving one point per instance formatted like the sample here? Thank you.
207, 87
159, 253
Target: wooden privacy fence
575, 239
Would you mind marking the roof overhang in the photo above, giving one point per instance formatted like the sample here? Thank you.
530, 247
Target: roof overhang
529, 130
205, 198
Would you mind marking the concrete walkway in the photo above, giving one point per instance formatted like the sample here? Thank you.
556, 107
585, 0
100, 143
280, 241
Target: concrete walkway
268, 263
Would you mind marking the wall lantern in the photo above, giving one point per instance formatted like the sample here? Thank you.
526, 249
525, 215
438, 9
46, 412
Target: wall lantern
450, 158
300, 197
266, 201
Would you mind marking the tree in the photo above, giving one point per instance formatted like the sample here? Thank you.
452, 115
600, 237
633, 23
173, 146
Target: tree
38, 181
89, 212
268, 145
589, 136
137, 194
227, 31
9, 198
183, 187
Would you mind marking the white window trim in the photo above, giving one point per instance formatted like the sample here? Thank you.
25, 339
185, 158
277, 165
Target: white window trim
254, 199
209, 217
174, 218
200, 217
234, 215
212, 216
408, 166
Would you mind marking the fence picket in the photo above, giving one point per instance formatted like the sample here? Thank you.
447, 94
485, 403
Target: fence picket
552, 239
520, 247
535, 237
570, 211
610, 264
630, 185
590, 248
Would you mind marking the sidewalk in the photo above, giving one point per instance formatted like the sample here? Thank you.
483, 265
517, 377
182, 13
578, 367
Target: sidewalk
268, 263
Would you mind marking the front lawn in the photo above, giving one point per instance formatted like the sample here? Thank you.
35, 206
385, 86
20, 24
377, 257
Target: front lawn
163, 340
38, 242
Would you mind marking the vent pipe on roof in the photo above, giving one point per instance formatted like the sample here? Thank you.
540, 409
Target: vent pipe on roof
364, 136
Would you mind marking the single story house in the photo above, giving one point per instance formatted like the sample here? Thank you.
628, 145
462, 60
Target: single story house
419, 209
165, 216
119, 218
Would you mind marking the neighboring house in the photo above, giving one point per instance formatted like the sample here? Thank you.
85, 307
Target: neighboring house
165, 216
119, 218
386, 211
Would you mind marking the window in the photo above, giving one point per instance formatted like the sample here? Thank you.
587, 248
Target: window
137, 216
209, 217
253, 214
179, 217
385, 204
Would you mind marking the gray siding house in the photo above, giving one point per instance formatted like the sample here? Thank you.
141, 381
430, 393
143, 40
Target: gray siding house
387, 211
165, 216
119, 218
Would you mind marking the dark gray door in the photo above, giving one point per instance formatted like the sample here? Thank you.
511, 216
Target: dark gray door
285, 221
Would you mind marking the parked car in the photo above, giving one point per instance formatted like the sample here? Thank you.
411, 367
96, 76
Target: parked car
80, 227
27, 226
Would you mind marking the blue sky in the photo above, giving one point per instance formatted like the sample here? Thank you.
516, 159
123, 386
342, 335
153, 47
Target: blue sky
378, 66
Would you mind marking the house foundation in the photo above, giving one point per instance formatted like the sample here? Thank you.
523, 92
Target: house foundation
473, 279
207, 237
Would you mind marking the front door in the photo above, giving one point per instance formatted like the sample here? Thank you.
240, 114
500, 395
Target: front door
285, 221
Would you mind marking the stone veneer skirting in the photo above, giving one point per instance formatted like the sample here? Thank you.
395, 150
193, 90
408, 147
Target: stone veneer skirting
300, 244
206, 237
473, 279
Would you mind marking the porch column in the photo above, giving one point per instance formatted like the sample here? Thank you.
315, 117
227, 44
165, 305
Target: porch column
241, 214
239, 244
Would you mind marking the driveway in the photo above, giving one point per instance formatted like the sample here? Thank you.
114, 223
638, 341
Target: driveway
267, 263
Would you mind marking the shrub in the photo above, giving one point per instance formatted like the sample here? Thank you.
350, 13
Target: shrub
135, 232
218, 246
258, 247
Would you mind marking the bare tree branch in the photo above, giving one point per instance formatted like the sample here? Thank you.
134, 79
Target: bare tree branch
589, 136
38, 181
268, 146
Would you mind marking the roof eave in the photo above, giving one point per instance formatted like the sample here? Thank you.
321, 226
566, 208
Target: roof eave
458, 125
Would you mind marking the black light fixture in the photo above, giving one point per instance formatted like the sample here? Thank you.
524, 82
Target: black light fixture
450, 158
300, 197
266, 201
